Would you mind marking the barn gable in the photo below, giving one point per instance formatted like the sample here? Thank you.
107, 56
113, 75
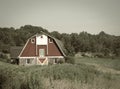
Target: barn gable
29, 49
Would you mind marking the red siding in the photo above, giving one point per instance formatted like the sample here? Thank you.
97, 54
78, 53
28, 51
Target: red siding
29, 50
53, 49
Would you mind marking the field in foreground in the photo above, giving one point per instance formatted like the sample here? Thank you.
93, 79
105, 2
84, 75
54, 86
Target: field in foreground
86, 73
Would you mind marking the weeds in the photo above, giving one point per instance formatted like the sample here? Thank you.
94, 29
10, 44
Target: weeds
60, 76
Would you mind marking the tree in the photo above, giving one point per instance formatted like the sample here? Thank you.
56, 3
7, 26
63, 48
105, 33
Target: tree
56, 34
75, 41
67, 44
116, 46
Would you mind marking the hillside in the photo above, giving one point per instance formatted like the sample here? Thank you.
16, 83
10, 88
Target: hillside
81, 75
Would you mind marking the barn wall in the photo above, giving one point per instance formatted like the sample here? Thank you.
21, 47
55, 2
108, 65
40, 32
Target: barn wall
41, 40
22, 61
53, 50
30, 49
56, 60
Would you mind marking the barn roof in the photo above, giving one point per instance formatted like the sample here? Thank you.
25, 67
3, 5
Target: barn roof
60, 45
58, 42
15, 51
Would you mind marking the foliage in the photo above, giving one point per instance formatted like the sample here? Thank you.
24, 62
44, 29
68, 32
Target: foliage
73, 43
70, 60
4, 58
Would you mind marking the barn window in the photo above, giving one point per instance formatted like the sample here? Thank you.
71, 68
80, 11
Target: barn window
41, 52
55, 60
32, 40
41, 36
27, 61
50, 40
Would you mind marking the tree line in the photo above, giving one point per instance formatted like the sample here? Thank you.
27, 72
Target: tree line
102, 43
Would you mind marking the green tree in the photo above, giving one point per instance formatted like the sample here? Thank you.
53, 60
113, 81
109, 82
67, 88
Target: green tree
116, 46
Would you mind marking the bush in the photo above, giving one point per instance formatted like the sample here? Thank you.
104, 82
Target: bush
60, 61
5, 59
70, 60
100, 55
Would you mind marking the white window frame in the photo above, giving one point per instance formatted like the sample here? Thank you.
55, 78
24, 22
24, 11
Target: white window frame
50, 40
33, 40
42, 56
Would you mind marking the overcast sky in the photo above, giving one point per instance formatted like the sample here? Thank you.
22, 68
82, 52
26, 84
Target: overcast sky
64, 16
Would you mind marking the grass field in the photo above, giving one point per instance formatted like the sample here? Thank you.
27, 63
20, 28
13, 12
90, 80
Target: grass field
86, 73
103, 62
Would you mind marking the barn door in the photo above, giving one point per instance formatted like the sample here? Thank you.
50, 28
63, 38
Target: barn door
41, 52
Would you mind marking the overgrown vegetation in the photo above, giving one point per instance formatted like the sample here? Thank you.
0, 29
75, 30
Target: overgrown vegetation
70, 59
102, 43
60, 76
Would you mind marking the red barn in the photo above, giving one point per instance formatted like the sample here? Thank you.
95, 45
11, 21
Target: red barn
41, 49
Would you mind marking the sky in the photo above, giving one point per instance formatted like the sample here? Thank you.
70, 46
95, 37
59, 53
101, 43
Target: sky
64, 16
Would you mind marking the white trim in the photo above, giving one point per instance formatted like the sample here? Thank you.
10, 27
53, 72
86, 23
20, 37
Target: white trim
32, 40
36, 48
24, 47
50, 41
43, 57
26, 57
55, 56
45, 62
47, 44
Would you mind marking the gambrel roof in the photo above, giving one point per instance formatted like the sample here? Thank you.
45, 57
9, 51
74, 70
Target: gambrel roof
58, 42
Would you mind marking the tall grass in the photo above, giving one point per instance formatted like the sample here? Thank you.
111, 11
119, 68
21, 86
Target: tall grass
61, 76
106, 62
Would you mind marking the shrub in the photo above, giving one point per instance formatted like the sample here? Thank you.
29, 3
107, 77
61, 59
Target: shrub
5, 60
60, 61
100, 55
70, 60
